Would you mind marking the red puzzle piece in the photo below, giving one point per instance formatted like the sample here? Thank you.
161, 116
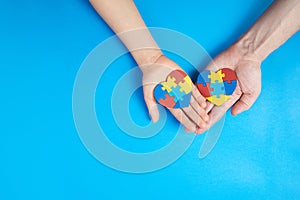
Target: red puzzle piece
178, 75
168, 102
204, 90
229, 75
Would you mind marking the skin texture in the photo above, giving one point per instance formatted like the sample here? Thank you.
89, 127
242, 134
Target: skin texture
278, 23
193, 116
248, 88
125, 20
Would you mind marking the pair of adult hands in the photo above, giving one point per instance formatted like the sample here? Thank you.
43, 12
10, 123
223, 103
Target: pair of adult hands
200, 114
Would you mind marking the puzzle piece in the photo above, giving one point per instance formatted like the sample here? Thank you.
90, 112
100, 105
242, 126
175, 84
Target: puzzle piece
218, 101
203, 78
217, 89
178, 75
229, 88
216, 76
168, 101
185, 102
159, 93
186, 85
229, 75
169, 84
204, 90
177, 93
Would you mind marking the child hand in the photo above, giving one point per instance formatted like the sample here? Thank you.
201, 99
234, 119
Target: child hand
193, 117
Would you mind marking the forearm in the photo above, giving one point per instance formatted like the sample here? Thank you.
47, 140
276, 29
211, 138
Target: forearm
125, 20
272, 29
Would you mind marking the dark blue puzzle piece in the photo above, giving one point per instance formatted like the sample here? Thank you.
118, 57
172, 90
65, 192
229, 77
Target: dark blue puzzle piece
229, 88
184, 102
159, 93
203, 78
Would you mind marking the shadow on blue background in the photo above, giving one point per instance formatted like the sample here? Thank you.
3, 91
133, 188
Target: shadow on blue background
42, 45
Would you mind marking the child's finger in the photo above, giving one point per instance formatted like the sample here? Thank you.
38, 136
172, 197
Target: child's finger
199, 98
194, 116
201, 111
184, 120
187, 130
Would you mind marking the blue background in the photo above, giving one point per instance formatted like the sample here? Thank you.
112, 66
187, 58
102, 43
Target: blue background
42, 45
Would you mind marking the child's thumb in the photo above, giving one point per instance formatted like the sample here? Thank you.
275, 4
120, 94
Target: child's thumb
153, 109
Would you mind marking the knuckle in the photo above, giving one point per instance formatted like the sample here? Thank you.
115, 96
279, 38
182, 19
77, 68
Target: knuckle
246, 106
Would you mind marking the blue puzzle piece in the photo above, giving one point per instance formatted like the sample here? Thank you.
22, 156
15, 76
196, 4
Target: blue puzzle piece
159, 93
177, 93
184, 102
218, 88
229, 88
203, 78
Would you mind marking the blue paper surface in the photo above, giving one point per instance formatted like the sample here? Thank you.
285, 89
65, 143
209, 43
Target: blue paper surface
42, 46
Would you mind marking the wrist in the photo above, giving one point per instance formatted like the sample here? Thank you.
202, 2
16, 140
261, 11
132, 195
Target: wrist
247, 49
146, 57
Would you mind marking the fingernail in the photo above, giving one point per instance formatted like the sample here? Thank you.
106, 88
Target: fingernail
203, 104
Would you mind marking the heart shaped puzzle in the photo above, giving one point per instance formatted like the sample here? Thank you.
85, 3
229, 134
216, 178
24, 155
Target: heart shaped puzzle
218, 86
176, 91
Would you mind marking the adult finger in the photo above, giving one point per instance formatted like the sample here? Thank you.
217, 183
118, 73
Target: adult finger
209, 106
244, 103
217, 112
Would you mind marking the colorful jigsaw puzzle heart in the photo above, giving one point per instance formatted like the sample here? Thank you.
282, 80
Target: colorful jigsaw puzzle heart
176, 91
218, 86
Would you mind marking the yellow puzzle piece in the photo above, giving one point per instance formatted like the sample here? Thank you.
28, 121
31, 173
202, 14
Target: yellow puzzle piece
218, 101
216, 76
167, 85
186, 85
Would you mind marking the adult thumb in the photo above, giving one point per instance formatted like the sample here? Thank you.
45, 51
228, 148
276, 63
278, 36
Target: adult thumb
243, 104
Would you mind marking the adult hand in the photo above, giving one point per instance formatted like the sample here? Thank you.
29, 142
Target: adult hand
248, 87
192, 117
